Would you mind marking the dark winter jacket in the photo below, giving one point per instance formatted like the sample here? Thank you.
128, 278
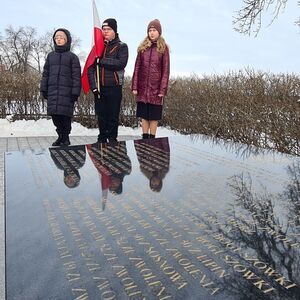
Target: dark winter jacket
151, 75
61, 81
112, 64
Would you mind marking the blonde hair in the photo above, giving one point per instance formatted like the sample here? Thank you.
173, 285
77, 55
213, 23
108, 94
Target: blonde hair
146, 43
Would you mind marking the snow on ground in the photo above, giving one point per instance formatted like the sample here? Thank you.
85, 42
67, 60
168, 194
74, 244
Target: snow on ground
44, 127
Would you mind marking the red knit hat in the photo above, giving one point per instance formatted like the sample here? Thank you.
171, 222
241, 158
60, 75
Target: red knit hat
155, 24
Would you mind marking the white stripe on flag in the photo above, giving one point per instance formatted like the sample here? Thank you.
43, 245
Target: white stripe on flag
96, 16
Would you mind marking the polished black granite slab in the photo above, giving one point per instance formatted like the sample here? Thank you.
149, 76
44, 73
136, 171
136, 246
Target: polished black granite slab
168, 218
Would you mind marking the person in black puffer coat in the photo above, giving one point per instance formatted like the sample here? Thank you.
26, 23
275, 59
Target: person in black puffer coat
61, 84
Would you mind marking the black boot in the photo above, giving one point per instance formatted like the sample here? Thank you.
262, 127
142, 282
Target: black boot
60, 136
101, 139
151, 136
66, 142
145, 136
58, 141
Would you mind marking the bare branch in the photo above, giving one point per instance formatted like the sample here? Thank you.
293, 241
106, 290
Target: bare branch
21, 49
249, 18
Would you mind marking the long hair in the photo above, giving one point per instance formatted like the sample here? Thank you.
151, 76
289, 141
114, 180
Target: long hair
146, 43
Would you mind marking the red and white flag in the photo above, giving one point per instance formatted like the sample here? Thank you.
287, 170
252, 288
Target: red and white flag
96, 51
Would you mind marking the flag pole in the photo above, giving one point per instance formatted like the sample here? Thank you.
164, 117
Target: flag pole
98, 75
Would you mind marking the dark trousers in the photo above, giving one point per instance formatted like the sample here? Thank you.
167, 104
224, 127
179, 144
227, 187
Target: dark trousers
108, 110
63, 126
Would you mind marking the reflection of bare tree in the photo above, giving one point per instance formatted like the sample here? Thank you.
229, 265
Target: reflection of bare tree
242, 150
292, 193
261, 231
264, 230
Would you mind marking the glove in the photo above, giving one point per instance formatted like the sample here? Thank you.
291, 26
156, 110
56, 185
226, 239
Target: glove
45, 95
96, 94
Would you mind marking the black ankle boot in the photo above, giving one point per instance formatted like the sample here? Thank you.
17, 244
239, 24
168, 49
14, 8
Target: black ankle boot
145, 136
65, 142
151, 136
58, 141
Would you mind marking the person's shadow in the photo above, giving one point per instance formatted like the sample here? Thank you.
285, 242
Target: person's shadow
112, 164
69, 159
154, 159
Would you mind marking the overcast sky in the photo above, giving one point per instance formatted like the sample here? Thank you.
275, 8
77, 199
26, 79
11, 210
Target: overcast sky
199, 32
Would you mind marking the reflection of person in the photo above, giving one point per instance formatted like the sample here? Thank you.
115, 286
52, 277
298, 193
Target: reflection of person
112, 164
150, 78
61, 85
69, 160
112, 66
154, 158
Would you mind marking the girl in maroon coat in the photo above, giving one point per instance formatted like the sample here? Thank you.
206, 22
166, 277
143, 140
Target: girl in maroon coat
150, 78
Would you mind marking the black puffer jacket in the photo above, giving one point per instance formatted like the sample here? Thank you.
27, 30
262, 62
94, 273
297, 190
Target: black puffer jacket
61, 81
112, 64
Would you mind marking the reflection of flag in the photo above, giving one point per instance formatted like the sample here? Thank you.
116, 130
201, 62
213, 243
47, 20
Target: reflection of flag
96, 157
96, 51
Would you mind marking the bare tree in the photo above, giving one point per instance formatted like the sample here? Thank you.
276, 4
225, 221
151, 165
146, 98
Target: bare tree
16, 47
22, 49
41, 47
249, 18
45, 44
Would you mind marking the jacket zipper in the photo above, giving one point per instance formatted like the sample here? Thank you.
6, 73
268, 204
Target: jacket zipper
57, 84
102, 70
148, 77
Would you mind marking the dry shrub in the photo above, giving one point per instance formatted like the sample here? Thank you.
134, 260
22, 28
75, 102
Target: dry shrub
19, 94
255, 108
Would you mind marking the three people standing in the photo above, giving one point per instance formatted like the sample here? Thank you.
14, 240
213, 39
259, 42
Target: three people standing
150, 78
61, 83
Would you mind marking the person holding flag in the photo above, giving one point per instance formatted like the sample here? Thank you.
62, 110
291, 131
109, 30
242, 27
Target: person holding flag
106, 76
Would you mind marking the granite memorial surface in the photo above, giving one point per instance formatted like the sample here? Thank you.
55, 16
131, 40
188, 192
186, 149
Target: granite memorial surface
166, 218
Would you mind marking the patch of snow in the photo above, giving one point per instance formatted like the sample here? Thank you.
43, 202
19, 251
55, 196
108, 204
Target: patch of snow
44, 127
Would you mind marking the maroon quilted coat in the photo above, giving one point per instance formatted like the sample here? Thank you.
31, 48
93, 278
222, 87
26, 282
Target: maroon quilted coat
151, 75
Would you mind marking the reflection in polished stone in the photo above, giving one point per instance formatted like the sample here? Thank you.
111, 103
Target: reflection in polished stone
262, 242
69, 159
112, 164
224, 225
154, 158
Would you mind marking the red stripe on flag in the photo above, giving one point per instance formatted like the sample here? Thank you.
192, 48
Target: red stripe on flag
98, 41
95, 52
